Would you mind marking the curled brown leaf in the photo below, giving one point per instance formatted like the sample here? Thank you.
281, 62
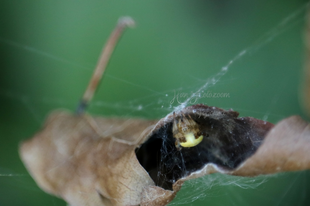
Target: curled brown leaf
92, 161
109, 161
88, 161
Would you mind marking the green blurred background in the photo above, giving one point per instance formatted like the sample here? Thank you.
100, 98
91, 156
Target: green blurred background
49, 49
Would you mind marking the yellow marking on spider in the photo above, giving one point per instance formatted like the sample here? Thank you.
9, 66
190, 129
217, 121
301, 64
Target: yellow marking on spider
191, 141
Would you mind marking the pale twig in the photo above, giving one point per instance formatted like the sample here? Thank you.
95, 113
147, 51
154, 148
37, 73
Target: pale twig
123, 22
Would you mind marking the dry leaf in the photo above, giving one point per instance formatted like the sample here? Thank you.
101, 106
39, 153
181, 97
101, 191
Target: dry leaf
99, 161
88, 161
92, 161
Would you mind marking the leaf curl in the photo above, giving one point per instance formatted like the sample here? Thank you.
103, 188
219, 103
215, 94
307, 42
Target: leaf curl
92, 161
88, 161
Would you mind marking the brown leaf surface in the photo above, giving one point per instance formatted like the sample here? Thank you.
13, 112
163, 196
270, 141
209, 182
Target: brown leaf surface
88, 161
285, 148
92, 161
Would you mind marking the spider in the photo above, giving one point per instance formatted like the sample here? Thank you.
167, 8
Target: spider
186, 132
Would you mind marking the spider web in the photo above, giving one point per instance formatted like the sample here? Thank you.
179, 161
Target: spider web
216, 86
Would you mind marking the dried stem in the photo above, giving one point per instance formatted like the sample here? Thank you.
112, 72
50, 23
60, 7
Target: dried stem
103, 61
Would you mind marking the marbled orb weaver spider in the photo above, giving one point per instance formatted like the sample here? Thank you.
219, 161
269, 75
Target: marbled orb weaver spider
186, 132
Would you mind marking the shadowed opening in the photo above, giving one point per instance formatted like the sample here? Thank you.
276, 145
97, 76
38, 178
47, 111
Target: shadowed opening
227, 141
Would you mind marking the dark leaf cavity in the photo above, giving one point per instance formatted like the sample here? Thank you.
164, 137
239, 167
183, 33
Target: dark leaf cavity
227, 142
